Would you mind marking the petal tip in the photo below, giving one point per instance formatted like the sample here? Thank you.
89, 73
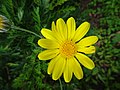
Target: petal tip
96, 38
60, 19
67, 81
81, 78
92, 67
54, 78
39, 42
71, 18
42, 30
48, 72
87, 23
39, 57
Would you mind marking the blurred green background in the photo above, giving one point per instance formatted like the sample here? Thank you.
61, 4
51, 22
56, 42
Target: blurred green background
20, 68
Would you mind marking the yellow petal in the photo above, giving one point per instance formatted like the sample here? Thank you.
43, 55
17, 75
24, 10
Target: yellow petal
52, 64
81, 31
68, 70
47, 43
58, 68
71, 26
77, 70
85, 61
47, 34
48, 54
56, 33
87, 50
62, 28
53, 26
88, 41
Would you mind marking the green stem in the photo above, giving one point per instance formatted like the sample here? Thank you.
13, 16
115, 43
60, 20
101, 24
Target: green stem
25, 30
61, 87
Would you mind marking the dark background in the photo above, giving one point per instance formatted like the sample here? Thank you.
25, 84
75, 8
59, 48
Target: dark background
20, 68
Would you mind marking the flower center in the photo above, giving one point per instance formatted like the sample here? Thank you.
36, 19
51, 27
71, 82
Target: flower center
68, 49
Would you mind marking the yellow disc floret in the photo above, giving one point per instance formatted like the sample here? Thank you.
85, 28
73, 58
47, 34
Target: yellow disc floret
68, 49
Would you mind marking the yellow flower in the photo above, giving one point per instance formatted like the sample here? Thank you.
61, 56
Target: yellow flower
4, 24
66, 49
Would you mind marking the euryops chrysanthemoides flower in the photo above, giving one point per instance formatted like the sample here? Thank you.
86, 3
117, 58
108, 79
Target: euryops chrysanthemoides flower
66, 48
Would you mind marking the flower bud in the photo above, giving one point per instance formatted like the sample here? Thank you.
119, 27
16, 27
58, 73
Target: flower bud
4, 24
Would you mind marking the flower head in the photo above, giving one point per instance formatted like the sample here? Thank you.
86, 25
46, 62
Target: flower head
66, 49
4, 23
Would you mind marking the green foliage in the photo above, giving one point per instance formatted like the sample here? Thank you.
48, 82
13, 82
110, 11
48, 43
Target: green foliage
20, 67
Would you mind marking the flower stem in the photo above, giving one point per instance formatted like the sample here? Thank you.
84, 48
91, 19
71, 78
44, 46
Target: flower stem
25, 30
61, 87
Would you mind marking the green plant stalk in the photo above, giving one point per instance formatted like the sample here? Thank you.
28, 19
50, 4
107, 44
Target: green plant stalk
61, 87
25, 30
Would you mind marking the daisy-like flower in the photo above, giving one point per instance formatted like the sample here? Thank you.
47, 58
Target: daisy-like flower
4, 24
66, 49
